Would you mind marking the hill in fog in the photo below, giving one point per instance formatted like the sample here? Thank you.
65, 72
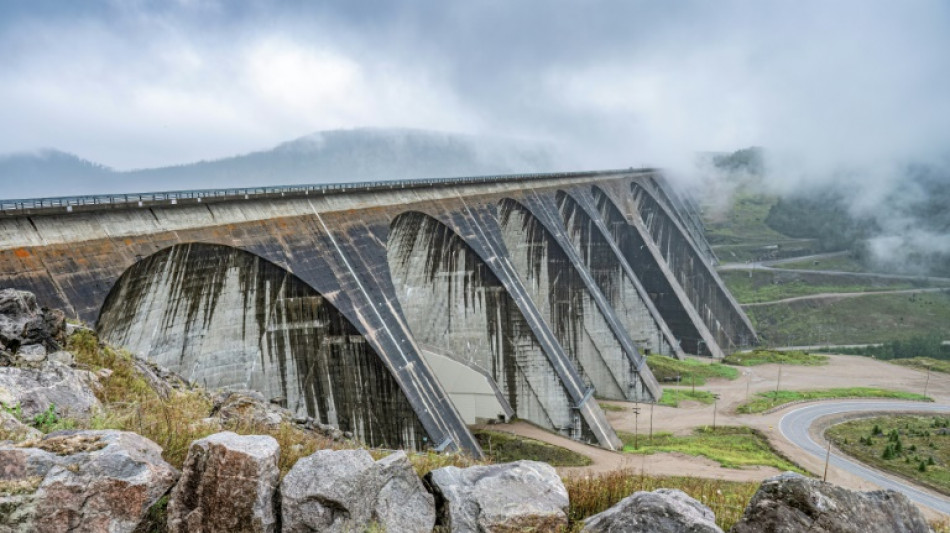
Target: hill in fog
324, 157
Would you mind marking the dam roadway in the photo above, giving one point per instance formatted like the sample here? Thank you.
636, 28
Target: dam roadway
797, 425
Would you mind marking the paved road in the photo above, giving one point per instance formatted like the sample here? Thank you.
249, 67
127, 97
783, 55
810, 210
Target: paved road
795, 425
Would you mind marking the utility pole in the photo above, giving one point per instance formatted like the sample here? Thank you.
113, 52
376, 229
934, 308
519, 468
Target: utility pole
715, 408
778, 382
651, 421
827, 460
927, 383
636, 428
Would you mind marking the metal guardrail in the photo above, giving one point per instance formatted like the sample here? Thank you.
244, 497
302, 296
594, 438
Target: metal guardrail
172, 197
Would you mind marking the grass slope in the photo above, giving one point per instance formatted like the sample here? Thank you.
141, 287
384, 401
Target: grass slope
755, 286
840, 263
786, 357
767, 400
590, 495
688, 371
866, 319
924, 363
503, 447
916, 447
730, 446
672, 396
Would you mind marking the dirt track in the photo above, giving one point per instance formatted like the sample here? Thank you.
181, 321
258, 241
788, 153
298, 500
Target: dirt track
841, 371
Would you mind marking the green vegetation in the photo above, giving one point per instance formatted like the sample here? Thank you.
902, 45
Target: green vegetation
688, 371
730, 446
673, 396
820, 214
744, 222
917, 346
756, 286
767, 400
916, 447
838, 263
611, 407
173, 422
594, 494
868, 319
925, 363
786, 357
772, 249
504, 447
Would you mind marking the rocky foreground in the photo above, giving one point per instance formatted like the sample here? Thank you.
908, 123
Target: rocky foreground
117, 481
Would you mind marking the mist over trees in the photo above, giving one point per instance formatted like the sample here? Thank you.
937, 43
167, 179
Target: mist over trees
905, 230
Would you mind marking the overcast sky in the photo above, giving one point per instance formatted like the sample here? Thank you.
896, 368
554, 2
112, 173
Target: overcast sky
134, 84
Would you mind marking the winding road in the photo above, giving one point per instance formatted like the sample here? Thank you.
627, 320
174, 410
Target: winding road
795, 426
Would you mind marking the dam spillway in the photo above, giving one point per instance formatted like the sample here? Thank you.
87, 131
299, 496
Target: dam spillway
399, 311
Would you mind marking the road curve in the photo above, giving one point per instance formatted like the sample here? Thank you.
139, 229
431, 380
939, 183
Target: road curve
795, 427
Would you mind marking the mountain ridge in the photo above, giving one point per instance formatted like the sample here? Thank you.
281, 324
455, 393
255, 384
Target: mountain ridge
332, 156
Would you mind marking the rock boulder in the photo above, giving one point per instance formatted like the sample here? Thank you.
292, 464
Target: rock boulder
34, 390
228, 483
790, 503
339, 491
660, 511
504, 497
82, 481
23, 322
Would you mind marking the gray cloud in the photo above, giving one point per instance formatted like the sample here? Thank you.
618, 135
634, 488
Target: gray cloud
824, 85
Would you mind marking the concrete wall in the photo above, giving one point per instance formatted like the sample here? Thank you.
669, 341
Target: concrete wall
223, 317
364, 296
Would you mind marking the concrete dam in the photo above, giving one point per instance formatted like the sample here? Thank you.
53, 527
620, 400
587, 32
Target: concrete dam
401, 311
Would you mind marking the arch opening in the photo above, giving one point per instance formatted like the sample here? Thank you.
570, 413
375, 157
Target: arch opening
224, 317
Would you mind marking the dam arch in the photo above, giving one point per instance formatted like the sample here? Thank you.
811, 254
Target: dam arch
615, 277
457, 308
571, 303
668, 296
224, 317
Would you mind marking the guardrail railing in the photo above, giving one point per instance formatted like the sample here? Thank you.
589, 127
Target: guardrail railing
172, 197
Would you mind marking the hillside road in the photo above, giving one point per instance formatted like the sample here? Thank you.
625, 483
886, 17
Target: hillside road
796, 426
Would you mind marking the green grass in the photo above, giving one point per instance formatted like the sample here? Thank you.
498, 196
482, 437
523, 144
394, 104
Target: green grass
840, 263
744, 223
739, 253
592, 494
786, 357
503, 447
767, 400
673, 396
688, 371
730, 446
923, 363
611, 407
867, 319
756, 286
920, 441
